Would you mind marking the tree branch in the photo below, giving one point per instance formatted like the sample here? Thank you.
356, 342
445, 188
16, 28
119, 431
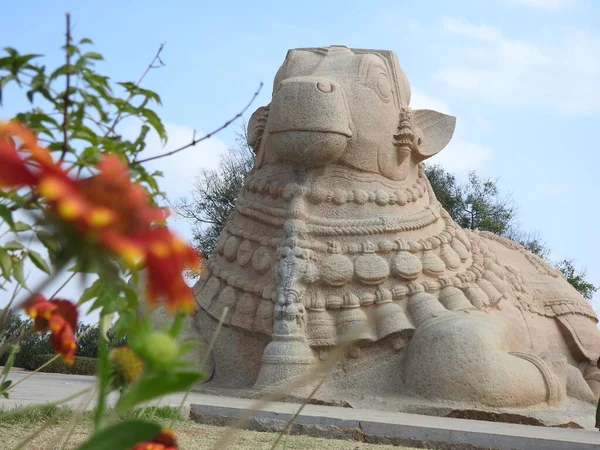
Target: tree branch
65, 123
206, 136
152, 65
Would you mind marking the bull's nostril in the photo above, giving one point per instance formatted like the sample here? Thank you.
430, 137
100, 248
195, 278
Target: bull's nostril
325, 87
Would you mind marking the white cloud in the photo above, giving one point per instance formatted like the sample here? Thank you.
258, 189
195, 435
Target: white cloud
462, 156
481, 123
557, 189
560, 73
181, 169
419, 100
547, 5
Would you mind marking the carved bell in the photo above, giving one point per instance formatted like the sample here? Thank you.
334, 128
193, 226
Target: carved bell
450, 257
460, 249
391, 319
454, 299
476, 296
432, 264
406, 265
370, 268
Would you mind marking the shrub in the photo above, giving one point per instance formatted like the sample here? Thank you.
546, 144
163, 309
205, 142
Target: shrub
81, 366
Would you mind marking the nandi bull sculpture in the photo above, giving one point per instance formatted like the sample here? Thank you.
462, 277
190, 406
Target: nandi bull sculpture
338, 235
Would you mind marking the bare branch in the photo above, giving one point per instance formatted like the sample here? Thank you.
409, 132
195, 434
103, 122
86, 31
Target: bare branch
151, 66
206, 136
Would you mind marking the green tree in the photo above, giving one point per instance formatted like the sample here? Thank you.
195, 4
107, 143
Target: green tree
215, 192
577, 278
477, 205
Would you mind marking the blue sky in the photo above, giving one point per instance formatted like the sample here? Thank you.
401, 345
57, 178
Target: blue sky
521, 76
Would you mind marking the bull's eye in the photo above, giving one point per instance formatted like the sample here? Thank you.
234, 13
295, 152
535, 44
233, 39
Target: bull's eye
373, 74
383, 86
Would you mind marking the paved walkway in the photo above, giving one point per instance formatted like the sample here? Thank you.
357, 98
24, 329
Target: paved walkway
42, 388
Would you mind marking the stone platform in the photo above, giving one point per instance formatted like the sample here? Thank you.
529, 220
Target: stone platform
391, 427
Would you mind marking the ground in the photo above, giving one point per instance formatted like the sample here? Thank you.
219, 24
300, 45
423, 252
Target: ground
191, 435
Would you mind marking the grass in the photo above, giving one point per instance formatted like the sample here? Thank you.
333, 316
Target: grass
191, 435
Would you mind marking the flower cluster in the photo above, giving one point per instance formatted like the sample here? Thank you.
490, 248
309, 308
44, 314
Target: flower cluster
105, 207
59, 317
165, 440
128, 366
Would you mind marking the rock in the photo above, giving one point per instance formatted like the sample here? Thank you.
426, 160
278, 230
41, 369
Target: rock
338, 234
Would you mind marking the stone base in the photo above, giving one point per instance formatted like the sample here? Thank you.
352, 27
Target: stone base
569, 414
393, 428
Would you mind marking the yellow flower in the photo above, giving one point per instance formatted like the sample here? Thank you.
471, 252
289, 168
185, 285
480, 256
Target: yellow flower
128, 365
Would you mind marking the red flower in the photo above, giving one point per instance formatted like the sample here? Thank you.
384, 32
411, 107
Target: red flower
107, 206
14, 171
165, 440
165, 257
22, 165
60, 317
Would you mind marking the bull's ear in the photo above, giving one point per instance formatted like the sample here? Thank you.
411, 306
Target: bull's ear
436, 128
256, 127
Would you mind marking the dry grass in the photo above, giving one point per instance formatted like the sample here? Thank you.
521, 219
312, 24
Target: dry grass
191, 435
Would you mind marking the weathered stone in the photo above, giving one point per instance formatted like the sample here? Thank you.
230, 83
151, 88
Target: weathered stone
339, 234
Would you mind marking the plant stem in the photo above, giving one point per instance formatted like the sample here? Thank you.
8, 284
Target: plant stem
62, 285
65, 124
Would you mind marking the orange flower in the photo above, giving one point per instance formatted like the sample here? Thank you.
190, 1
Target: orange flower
13, 170
165, 257
165, 440
107, 206
58, 316
25, 164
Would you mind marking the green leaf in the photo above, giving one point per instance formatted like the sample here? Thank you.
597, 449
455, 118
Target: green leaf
5, 385
156, 385
89, 155
121, 436
86, 266
91, 292
13, 245
38, 261
10, 361
17, 272
20, 226
62, 70
49, 241
105, 323
85, 41
6, 214
5, 263
154, 122
93, 55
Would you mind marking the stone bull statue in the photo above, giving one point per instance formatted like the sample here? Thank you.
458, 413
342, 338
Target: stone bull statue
338, 235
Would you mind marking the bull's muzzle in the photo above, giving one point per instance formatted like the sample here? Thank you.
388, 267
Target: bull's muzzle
308, 121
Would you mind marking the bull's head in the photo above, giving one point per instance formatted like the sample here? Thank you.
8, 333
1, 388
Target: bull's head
346, 106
